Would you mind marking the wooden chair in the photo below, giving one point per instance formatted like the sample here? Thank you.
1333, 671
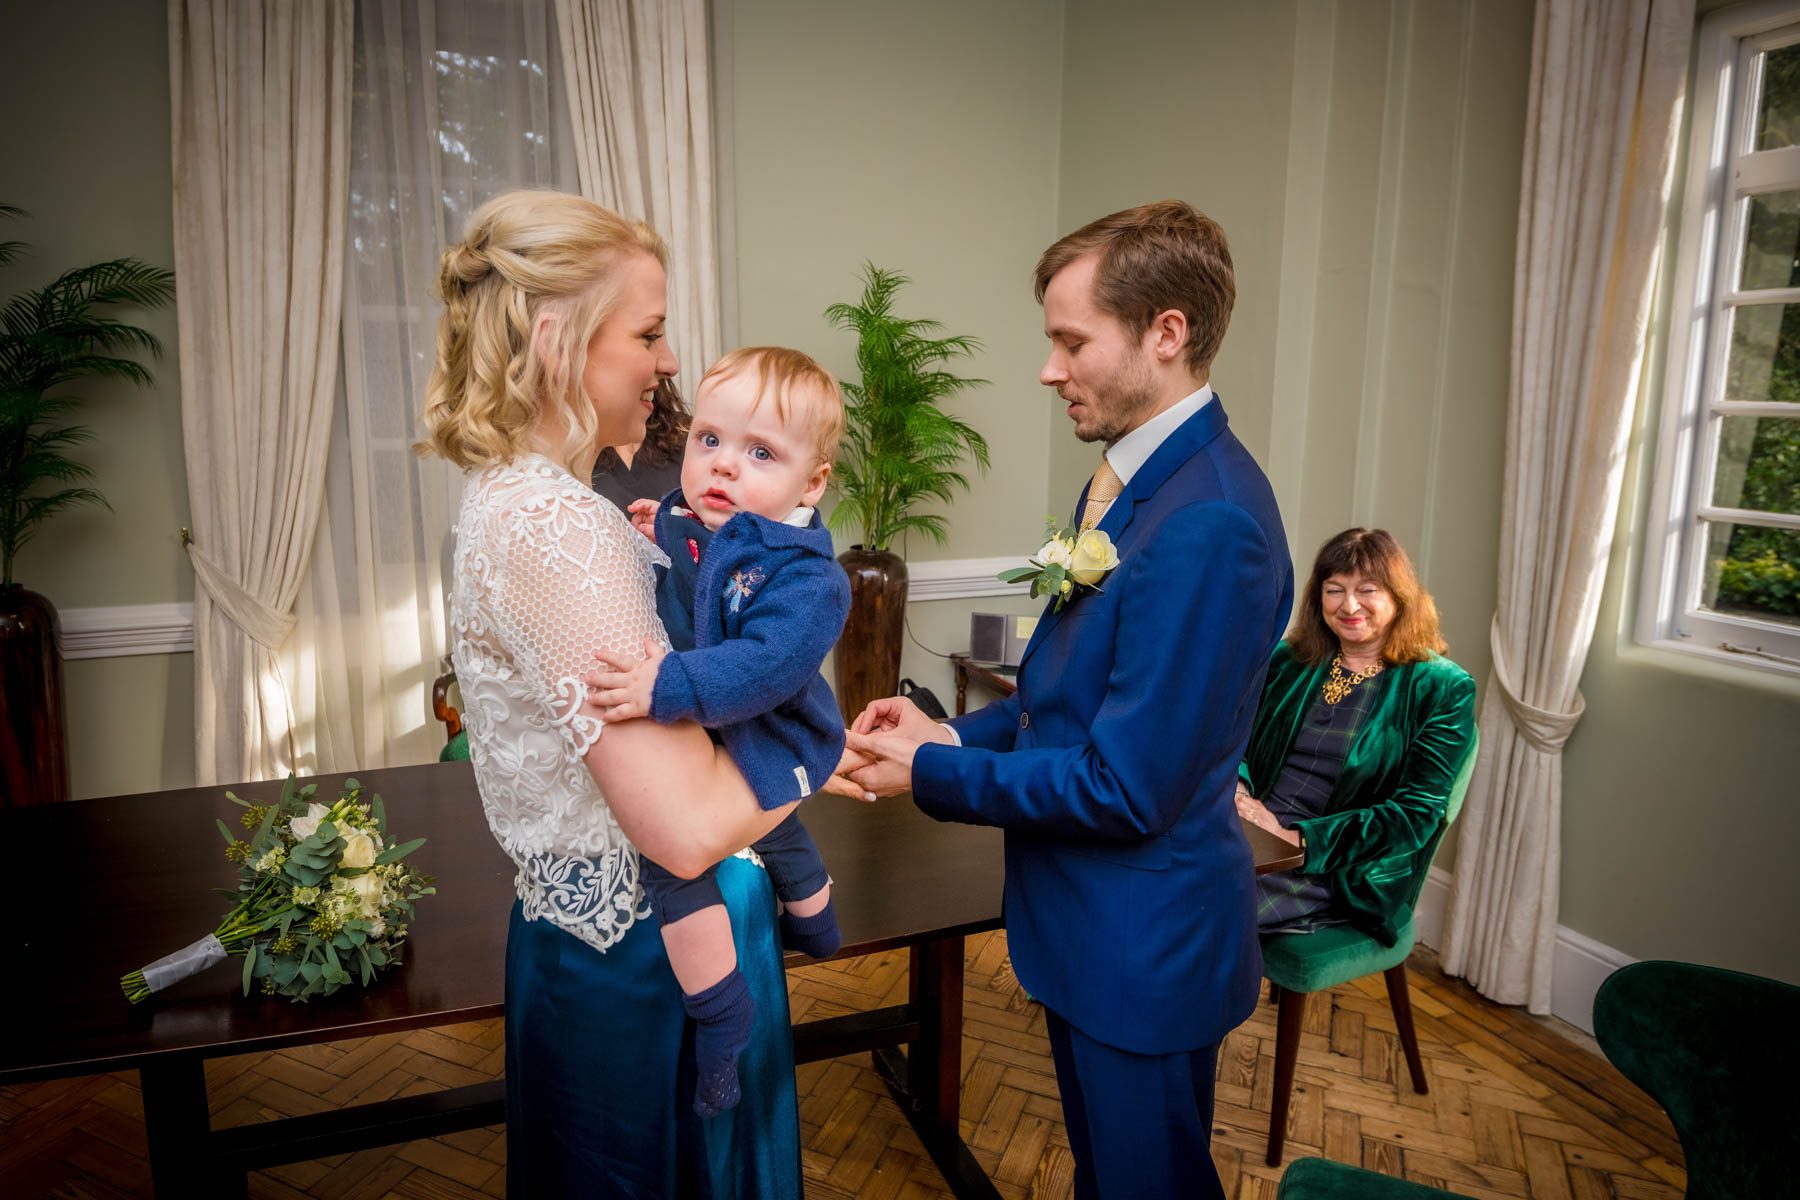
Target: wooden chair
443, 692
1297, 965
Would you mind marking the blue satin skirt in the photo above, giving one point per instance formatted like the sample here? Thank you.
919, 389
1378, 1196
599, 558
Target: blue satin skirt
600, 1066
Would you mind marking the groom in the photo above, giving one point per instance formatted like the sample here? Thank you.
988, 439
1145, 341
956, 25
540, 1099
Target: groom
1129, 884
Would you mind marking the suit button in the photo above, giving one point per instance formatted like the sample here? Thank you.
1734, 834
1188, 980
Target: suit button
1024, 720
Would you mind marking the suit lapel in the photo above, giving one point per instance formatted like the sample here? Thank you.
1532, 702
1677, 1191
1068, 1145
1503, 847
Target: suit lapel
1186, 441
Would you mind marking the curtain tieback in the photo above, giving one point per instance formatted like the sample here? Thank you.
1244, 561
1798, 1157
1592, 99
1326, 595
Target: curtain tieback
262, 624
1543, 730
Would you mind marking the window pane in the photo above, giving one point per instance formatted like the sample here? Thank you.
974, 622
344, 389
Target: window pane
1759, 464
1772, 242
1753, 572
1765, 353
1778, 112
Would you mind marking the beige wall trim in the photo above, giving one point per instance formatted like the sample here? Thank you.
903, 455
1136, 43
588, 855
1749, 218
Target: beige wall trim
120, 630
962, 578
1579, 964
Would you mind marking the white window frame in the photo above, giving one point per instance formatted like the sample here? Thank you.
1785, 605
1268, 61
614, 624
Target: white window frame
1722, 171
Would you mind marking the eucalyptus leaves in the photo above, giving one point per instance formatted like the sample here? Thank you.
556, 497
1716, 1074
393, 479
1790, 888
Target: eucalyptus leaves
323, 898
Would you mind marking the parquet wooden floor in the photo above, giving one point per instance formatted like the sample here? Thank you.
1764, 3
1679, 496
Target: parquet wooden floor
1515, 1109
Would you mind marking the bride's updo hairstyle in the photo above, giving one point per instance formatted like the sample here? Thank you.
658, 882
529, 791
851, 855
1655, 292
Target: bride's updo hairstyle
526, 254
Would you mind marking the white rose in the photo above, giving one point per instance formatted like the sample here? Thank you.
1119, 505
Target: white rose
1055, 553
359, 850
368, 890
305, 827
1094, 556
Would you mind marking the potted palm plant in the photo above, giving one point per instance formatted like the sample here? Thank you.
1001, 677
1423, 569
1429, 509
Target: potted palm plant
901, 450
50, 338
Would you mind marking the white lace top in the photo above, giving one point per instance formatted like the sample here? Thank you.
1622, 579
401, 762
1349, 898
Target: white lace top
547, 572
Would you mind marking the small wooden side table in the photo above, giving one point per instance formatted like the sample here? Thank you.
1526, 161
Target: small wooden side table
1002, 681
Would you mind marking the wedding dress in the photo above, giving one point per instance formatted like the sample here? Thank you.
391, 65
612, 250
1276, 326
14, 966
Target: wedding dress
599, 1065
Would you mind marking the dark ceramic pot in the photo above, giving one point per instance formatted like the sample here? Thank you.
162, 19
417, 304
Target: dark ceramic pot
868, 655
34, 753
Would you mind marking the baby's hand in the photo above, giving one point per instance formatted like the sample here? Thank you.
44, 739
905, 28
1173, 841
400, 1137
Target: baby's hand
643, 517
622, 690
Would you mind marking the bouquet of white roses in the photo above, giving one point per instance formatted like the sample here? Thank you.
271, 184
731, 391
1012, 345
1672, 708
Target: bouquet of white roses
1070, 559
321, 894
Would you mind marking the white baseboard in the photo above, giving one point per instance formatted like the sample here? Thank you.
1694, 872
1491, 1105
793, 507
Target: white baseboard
1579, 964
962, 578
126, 629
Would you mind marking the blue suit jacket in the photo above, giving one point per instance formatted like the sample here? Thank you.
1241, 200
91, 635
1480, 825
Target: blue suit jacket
1130, 905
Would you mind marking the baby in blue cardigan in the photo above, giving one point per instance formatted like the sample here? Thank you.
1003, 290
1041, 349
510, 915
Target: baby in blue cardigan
752, 601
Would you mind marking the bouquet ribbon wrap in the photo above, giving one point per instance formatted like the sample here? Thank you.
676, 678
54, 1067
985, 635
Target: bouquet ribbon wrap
189, 960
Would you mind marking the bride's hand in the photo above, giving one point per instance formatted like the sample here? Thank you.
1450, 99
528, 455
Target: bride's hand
623, 690
840, 783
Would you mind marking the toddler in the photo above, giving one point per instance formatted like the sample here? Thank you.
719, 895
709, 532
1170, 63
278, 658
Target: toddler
753, 601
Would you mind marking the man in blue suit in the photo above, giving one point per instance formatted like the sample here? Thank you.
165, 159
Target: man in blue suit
1129, 885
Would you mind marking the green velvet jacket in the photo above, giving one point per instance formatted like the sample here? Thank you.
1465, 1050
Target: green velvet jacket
1381, 826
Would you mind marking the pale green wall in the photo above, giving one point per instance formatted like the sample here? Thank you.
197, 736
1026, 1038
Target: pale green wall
85, 149
923, 137
1364, 161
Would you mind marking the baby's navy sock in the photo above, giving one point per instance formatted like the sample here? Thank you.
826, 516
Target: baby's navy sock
723, 1016
816, 936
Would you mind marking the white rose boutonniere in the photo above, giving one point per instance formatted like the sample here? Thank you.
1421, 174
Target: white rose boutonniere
1068, 560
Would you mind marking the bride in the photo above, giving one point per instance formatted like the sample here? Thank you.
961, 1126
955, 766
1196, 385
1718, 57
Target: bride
551, 346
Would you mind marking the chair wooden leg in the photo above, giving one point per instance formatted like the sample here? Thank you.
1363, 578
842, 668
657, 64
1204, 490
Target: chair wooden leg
1274, 993
1287, 1051
1409, 1041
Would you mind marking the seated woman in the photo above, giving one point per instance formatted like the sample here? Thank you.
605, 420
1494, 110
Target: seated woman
1363, 728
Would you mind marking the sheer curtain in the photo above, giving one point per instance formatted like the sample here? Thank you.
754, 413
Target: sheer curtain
259, 93
453, 101
639, 86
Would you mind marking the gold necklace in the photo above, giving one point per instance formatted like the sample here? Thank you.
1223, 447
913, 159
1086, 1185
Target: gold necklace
1339, 683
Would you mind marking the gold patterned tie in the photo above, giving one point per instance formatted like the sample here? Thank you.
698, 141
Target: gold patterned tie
1103, 489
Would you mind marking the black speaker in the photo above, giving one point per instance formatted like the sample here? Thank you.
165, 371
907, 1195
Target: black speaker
999, 639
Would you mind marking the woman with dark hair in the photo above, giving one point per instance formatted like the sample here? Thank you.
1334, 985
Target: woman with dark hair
1363, 728
649, 469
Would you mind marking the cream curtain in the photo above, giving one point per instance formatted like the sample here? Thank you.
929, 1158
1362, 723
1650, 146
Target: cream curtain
454, 102
260, 99
1605, 103
639, 92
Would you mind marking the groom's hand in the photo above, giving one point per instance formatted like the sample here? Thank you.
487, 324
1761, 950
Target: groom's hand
897, 714
623, 690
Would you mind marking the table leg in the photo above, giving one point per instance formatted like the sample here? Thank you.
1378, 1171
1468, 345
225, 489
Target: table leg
962, 690
928, 1084
177, 1127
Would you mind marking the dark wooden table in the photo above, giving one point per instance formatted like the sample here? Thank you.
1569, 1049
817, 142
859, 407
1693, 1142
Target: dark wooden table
97, 887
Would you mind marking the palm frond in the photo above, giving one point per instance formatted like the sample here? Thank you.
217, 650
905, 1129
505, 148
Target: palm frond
901, 450
50, 337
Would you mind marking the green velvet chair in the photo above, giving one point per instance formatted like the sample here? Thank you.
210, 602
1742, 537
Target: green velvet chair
1720, 1051
1320, 1179
1297, 965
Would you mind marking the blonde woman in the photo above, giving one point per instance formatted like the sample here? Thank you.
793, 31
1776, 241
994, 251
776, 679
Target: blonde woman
551, 346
